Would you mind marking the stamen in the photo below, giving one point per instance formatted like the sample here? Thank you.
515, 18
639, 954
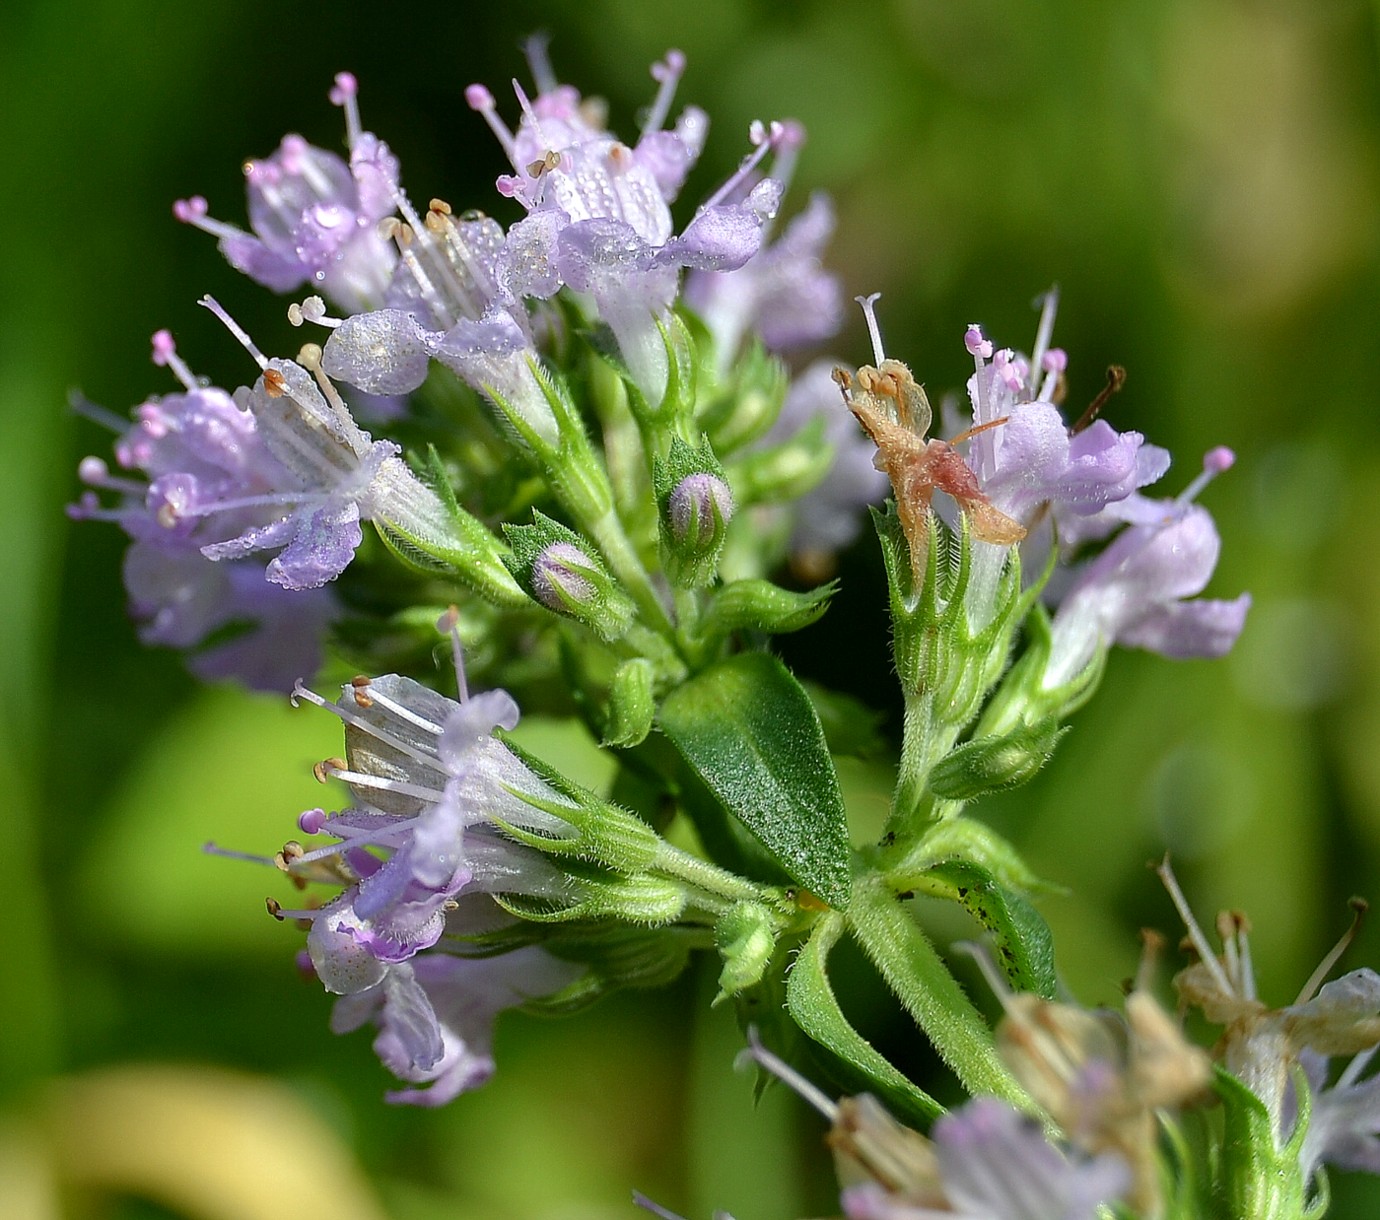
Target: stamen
534, 49
1053, 362
234, 328
300, 691
1315, 980
165, 356
1116, 378
778, 1067
1152, 948
478, 98
94, 472
646, 1204
376, 697
96, 413
345, 94
213, 849
1228, 929
449, 624
873, 330
313, 309
668, 73
1215, 461
763, 137
1048, 310
1195, 933
978, 345
993, 977
193, 212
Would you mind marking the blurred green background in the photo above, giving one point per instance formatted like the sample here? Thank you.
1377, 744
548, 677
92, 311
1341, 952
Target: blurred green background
1200, 177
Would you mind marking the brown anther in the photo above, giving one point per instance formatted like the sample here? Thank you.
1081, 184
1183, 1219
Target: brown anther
439, 205
274, 385
1359, 905
620, 156
166, 516
448, 621
388, 226
450, 905
1116, 378
293, 850
360, 680
843, 379
543, 164
275, 908
326, 768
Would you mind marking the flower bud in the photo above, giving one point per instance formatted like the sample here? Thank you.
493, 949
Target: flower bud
554, 567
987, 764
696, 506
746, 938
631, 704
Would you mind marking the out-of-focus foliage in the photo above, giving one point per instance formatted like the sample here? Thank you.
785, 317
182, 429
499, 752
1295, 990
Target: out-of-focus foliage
1200, 177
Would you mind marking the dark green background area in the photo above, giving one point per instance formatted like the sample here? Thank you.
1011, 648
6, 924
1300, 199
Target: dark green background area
1202, 180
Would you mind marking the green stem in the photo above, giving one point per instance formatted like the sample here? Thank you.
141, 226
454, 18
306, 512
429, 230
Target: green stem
710, 878
917, 975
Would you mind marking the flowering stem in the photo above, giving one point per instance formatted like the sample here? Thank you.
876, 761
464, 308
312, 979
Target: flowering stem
917, 975
710, 878
923, 743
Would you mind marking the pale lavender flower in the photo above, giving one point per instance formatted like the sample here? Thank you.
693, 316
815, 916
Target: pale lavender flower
1141, 591
782, 293
436, 1016
1263, 1046
992, 1162
200, 449
430, 782
314, 218
337, 477
598, 216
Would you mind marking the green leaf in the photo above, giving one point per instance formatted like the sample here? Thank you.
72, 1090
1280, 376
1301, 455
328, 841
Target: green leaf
1024, 945
919, 978
811, 1002
747, 729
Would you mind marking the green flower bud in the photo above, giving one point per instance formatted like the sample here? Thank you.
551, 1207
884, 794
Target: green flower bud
759, 605
631, 703
746, 937
987, 764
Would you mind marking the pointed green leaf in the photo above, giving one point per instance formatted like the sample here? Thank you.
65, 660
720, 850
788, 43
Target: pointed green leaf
811, 1002
1022, 939
747, 729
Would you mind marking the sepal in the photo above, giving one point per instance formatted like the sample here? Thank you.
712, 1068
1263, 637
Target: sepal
631, 707
746, 937
992, 763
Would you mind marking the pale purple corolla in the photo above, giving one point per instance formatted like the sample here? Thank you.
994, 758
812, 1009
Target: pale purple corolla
992, 1161
1344, 1117
195, 450
1141, 591
599, 219
435, 1016
314, 218
782, 294
336, 477
984, 1160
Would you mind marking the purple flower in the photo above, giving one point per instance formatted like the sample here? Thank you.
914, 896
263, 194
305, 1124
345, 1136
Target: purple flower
337, 476
598, 216
432, 787
1142, 590
1262, 1046
994, 1161
208, 468
436, 1015
314, 218
781, 293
